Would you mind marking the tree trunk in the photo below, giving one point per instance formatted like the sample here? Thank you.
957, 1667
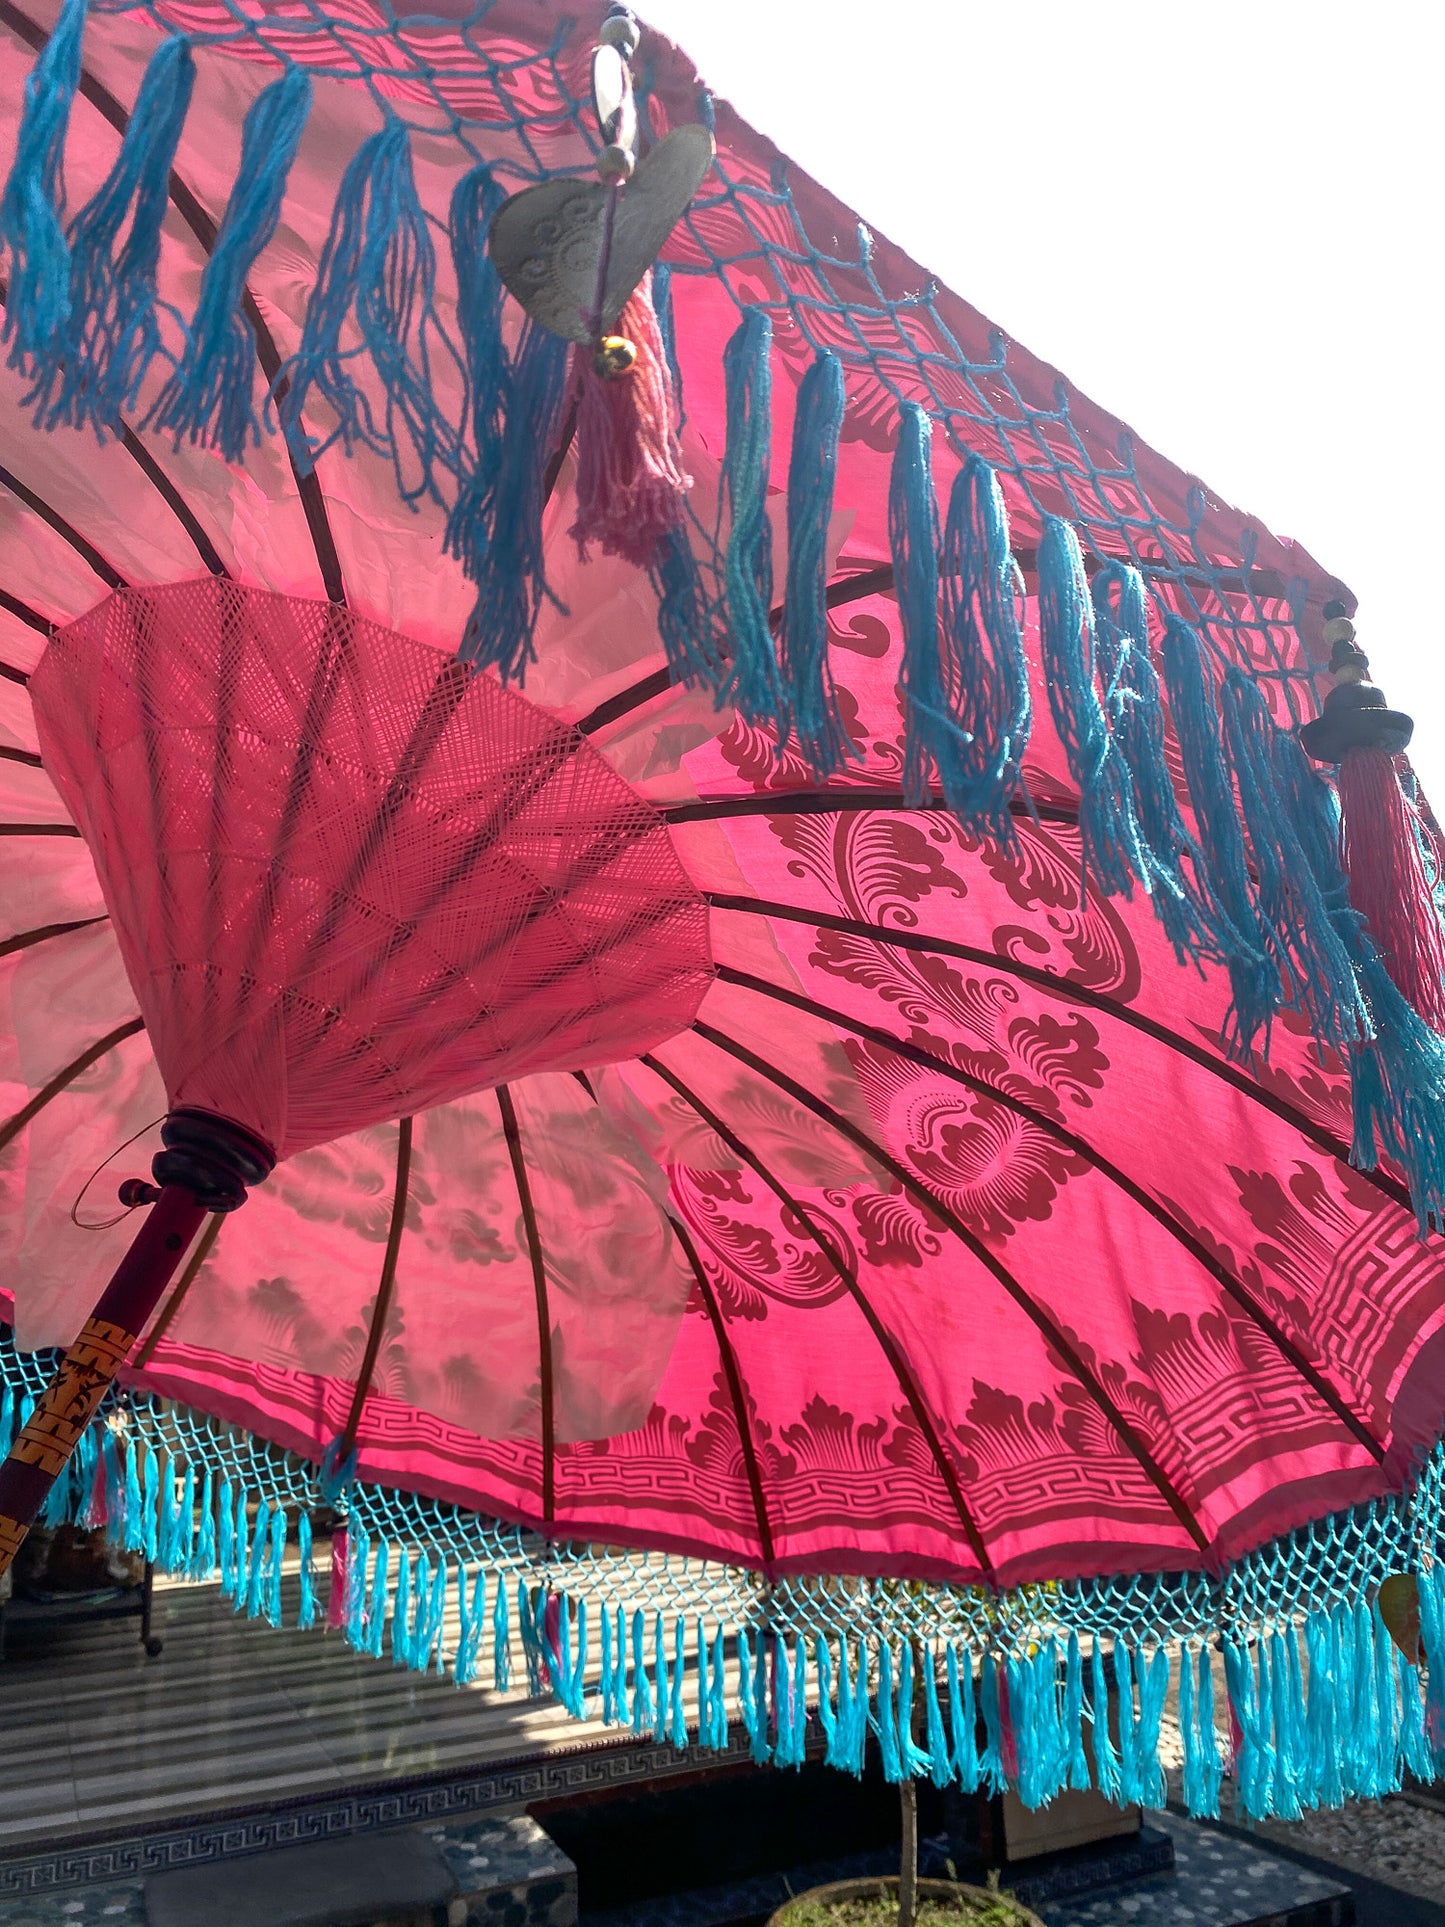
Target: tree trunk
908, 1860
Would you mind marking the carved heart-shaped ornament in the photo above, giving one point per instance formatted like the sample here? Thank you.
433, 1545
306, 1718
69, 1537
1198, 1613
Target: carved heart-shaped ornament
546, 242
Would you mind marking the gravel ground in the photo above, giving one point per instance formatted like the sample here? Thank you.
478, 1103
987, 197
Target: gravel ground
1400, 1842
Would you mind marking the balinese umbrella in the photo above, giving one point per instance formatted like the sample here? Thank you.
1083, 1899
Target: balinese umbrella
840, 1043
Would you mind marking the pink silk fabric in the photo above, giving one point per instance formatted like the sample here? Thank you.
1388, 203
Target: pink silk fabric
1003, 1272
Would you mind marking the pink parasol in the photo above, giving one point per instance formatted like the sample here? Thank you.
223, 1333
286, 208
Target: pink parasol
858, 1064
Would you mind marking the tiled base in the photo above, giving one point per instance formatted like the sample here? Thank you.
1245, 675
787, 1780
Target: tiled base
1217, 1881
1111, 1864
503, 1873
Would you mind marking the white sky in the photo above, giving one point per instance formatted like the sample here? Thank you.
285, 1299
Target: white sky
1223, 223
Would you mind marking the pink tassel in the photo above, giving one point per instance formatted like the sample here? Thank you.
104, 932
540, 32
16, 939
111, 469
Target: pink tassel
1388, 884
336, 1591
630, 483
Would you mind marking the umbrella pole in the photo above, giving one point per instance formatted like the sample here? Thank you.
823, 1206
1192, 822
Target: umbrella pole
206, 1166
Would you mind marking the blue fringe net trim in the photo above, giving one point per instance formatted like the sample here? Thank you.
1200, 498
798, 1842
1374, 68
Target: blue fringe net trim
1280, 1671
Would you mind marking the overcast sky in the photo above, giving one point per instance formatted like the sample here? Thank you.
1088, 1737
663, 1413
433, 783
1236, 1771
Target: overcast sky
1222, 222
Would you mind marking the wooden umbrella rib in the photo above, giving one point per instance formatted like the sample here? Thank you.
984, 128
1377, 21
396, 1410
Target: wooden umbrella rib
1107, 1169
385, 1292
848, 1277
191, 210
512, 1132
1068, 991
728, 1358
13, 1126
26, 939
1038, 1317
32, 618
28, 757
68, 533
38, 829
828, 802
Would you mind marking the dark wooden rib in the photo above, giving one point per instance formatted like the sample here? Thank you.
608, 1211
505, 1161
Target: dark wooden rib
848, 1277
13, 1126
829, 802
87, 551
1068, 991
512, 1132
728, 1358
1042, 1320
1136, 1194
43, 932
385, 1292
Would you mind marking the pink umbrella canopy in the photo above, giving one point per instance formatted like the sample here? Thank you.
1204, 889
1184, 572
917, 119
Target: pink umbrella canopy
840, 1046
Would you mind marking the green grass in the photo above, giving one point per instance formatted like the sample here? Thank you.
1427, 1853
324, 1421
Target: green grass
880, 1910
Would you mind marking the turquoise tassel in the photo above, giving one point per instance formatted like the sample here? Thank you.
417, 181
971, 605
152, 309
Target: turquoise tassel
1302, 919
752, 683
991, 1771
401, 1611
1078, 1775
497, 535
475, 200
208, 398
248, 1595
1153, 1691
114, 1483
1130, 1790
56, 1509
1322, 1715
184, 1551
530, 1609
667, 329
885, 1718
151, 1505
659, 1679
1191, 920
501, 1640
7, 1415
90, 1476
719, 1721
1211, 1767
912, 1759
611, 1711
94, 366
827, 1712
228, 1542
32, 206
1430, 1583
358, 1548
1113, 853
306, 1618
642, 1706
940, 1766
963, 1719
1108, 1773
787, 1749
377, 1601
271, 1588
913, 540
472, 1611
1413, 1753
1253, 976
814, 714
978, 733
378, 265
704, 1687
758, 1732
132, 1532
690, 630
677, 1723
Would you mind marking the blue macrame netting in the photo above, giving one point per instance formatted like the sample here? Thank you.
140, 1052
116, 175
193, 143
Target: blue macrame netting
1283, 1667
